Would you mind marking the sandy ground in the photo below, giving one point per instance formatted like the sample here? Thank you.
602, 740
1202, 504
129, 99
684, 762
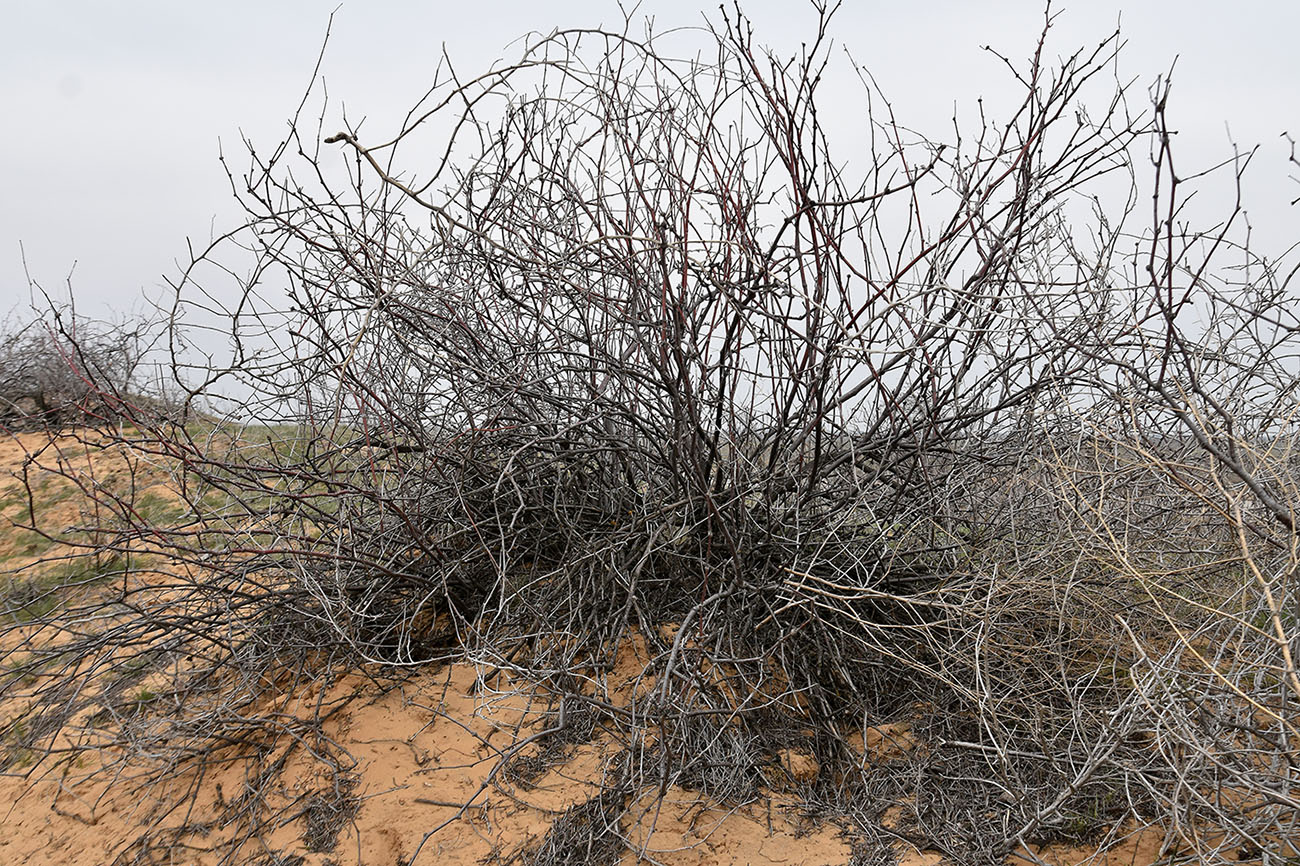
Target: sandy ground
414, 755
417, 753
418, 774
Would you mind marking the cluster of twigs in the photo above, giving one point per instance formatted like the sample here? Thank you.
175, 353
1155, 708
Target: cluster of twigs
605, 342
65, 370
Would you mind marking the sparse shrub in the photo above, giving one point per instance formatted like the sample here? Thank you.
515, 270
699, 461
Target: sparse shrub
63, 370
839, 434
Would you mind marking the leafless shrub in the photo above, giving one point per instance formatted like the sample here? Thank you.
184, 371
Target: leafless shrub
929, 426
63, 370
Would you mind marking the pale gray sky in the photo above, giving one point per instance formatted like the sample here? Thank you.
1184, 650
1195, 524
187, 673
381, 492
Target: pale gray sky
113, 110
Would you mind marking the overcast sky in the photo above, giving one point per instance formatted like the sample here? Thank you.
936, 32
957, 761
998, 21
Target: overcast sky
113, 111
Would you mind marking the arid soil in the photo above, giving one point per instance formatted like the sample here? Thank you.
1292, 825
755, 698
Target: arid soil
421, 751
449, 764
417, 753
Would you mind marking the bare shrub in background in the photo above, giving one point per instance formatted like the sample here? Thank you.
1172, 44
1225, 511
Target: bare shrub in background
63, 370
605, 340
